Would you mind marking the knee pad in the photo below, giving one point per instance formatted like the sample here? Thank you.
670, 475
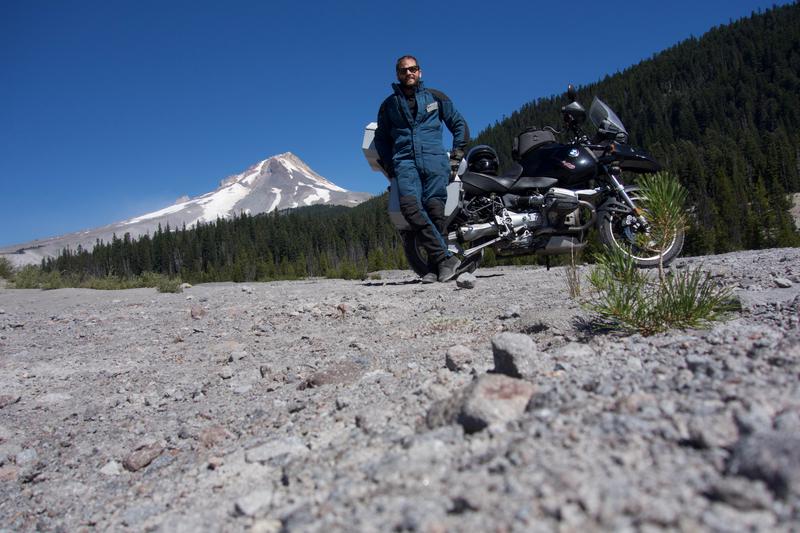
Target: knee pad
435, 208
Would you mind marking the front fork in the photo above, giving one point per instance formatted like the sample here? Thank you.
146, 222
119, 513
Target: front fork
620, 188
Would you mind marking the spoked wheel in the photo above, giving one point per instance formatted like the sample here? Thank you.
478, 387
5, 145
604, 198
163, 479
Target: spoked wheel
418, 258
626, 232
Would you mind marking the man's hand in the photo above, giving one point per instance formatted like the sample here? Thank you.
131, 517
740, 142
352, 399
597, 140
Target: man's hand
455, 159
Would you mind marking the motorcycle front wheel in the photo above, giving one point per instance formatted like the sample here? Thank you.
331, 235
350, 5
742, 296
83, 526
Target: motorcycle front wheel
625, 232
417, 257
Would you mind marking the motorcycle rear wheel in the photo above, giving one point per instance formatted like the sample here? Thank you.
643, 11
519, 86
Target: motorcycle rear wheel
418, 258
624, 232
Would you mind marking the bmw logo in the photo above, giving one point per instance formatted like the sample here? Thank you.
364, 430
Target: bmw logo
574, 152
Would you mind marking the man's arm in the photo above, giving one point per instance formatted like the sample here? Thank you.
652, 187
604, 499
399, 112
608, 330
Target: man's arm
383, 140
453, 120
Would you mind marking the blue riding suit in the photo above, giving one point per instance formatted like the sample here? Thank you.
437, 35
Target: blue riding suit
410, 149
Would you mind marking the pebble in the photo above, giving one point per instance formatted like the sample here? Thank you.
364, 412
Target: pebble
296, 405
26, 456
783, 283
141, 457
8, 399
267, 525
213, 435
111, 468
197, 312
252, 503
740, 493
458, 358
634, 364
342, 402
337, 373
289, 446
578, 352
466, 281
512, 311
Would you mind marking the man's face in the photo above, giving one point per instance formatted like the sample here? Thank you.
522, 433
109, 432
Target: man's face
408, 73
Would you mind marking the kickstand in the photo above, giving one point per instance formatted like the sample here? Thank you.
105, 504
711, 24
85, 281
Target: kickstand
547, 261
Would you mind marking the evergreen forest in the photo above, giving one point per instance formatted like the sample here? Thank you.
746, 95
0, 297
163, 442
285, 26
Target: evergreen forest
722, 112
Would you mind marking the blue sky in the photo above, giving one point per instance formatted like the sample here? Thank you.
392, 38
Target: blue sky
110, 109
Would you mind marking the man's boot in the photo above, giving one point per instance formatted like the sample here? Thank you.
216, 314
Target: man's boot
448, 268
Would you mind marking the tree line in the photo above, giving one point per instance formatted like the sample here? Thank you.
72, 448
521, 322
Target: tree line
722, 113
320, 240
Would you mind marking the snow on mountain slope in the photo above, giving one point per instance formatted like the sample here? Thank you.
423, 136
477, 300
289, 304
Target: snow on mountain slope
280, 182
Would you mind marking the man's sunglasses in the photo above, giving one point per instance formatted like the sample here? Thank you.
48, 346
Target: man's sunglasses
403, 70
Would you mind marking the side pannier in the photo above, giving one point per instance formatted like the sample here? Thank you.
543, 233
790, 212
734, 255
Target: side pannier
530, 139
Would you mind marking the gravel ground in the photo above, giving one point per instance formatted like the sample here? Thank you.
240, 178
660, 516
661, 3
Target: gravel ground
388, 405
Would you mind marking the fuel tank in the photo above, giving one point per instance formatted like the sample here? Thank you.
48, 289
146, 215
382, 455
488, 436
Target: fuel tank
571, 164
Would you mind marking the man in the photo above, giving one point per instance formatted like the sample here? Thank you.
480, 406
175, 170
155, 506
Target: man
409, 144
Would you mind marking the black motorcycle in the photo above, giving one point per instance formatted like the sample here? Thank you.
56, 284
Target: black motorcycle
549, 199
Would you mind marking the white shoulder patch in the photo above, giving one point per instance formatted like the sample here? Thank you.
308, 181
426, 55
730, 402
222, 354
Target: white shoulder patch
432, 107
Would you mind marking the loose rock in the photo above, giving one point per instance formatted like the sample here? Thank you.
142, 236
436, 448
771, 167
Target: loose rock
111, 468
8, 399
458, 358
251, 504
213, 435
515, 355
492, 399
466, 281
289, 446
142, 457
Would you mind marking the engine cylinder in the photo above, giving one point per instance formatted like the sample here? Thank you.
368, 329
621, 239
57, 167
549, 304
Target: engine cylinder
561, 200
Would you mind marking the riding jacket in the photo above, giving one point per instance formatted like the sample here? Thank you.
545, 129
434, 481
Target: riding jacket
402, 136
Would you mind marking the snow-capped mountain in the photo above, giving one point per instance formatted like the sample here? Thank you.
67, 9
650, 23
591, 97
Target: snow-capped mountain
280, 182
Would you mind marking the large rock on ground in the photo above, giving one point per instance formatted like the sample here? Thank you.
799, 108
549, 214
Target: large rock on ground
492, 399
515, 355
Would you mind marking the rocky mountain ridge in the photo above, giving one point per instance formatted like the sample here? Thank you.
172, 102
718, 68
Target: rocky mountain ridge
387, 405
282, 181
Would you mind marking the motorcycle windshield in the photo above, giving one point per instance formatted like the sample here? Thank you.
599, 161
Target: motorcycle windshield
603, 117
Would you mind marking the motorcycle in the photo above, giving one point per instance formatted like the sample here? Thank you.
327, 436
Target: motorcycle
548, 200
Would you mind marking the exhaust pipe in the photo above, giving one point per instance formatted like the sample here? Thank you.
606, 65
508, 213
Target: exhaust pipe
476, 231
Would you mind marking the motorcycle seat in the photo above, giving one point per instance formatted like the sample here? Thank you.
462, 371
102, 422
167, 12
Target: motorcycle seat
511, 181
528, 182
